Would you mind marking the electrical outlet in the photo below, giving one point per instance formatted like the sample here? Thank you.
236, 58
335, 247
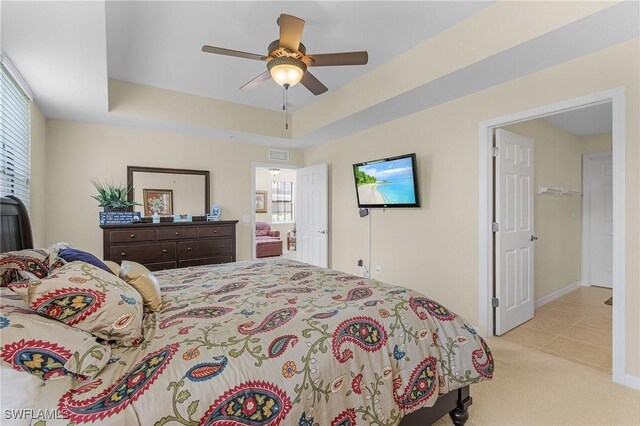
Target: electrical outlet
360, 263
378, 269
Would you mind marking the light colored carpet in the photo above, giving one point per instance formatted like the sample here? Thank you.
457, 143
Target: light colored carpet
535, 388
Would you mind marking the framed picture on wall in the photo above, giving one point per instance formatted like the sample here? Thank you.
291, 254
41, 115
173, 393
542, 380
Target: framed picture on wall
158, 201
261, 201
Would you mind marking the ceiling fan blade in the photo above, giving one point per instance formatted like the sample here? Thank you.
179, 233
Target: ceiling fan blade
256, 81
313, 84
345, 58
290, 31
236, 53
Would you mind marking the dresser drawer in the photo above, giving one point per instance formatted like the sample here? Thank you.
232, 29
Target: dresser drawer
204, 248
177, 233
142, 253
215, 231
131, 235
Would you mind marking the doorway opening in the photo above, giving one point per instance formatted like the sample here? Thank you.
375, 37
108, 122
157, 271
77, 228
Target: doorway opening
274, 213
554, 292
487, 244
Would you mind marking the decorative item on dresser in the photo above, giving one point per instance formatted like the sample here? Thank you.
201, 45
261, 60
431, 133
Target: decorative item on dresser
171, 245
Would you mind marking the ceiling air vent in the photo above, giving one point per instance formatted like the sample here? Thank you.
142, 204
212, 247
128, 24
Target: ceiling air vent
278, 155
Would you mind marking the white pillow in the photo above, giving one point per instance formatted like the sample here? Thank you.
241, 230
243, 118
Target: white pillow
19, 390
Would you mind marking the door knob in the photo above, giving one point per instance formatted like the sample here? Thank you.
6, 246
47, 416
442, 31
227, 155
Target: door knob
533, 238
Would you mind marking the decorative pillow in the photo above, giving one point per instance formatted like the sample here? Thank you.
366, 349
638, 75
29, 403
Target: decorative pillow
86, 297
71, 254
113, 266
144, 281
47, 348
22, 265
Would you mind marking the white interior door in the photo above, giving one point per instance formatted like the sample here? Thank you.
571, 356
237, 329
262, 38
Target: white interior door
312, 215
598, 217
514, 237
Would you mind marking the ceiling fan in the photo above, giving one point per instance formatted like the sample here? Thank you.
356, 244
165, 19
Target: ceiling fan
287, 60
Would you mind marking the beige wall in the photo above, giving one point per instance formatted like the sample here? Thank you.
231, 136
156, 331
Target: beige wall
557, 219
434, 249
78, 152
596, 143
38, 176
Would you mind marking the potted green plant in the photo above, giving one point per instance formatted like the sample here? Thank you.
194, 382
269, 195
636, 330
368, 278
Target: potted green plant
112, 197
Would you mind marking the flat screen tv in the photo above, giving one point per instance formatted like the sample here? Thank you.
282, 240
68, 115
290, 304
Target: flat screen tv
388, 182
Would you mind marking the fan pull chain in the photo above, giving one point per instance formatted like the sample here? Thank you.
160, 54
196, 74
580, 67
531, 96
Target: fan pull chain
284, 105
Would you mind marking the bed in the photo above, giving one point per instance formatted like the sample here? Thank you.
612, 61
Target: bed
274, 342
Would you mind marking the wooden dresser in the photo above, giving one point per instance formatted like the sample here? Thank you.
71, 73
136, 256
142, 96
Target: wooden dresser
170, 245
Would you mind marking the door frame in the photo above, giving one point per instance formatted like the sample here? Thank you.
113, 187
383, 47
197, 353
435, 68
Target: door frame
254, 166
586, 235
485, 241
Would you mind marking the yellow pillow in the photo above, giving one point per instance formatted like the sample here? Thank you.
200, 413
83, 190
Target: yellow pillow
115, 268
141, 278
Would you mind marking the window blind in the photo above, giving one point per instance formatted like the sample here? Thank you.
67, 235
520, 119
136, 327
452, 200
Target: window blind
15, 138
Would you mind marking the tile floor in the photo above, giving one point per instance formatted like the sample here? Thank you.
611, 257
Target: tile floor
576, 327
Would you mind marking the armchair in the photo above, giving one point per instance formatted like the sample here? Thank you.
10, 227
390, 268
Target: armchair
264, 230
268, 242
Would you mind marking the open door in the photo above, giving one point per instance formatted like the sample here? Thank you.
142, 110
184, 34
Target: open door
312, 215
513, 229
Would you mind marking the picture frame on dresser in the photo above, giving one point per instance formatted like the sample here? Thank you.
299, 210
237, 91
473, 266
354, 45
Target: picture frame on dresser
157, 201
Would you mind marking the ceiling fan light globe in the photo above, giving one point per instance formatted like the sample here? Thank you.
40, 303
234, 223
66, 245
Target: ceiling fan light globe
286, 70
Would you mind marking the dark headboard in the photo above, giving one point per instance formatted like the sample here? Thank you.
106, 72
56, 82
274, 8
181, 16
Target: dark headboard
15, 228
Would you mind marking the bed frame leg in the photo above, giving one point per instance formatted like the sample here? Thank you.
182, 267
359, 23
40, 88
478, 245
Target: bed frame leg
460, 414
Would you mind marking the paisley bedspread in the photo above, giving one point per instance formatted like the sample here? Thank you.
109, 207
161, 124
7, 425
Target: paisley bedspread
278, 342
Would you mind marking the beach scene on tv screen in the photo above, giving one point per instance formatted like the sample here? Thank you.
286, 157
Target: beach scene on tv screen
387, 182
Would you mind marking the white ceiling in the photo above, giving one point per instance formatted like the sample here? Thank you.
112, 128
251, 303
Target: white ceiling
592, 120
66, 51
159, 43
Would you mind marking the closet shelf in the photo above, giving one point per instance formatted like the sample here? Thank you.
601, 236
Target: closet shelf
557, 191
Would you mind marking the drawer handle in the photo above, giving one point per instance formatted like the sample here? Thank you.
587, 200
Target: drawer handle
189, 249
221, 245
123, 254
215, 231
177, 233
164, 250
133, 235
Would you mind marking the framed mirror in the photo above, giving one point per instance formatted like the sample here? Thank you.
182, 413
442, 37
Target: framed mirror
168, 191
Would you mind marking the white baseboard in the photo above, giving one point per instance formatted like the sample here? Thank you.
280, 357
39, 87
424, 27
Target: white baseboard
558, 293
632, 381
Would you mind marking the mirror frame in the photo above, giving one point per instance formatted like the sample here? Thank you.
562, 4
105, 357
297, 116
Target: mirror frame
205, 173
